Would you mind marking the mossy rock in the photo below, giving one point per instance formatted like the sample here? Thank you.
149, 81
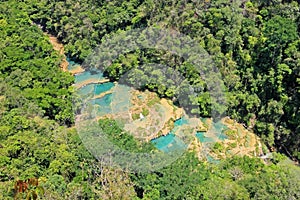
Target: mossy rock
231, 134
153, 101
135, 116
247, 141
232, 145
145, 112
218, 147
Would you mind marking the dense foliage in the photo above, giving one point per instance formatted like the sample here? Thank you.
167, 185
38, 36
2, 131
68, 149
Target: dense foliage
36, 109
255, 45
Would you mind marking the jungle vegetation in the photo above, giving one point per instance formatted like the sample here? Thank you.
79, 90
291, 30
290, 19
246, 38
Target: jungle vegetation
254, 44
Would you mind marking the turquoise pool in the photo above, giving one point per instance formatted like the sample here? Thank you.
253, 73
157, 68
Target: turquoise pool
200, 135
104, 101
181, 121
85, 90
104, 87
86, 75
219, 128
72, 65
222, 136
103, 104
95, 89
169, 143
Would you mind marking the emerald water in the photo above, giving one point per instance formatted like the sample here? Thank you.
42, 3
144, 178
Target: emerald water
163, 141
218, 129
95, 89
104, 101
222, 136
219, 126
178, 123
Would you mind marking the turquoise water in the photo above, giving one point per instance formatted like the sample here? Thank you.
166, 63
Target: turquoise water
200, 135
72, 65
222, 136
171, 142
168, 143
212, 160
104, 101
95, 89
104, 104
163, 141
204, 120
86, 75
121, 98
140, 97
88, 89
181, 121
104, 87
219, 128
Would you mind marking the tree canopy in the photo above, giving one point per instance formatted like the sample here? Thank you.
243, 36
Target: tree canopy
254, 44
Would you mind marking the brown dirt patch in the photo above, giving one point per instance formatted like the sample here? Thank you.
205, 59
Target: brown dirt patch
58, 46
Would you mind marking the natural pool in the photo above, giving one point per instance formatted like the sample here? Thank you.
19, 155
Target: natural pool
181, 121
86, 90
171, 142
103, 104
72, 65
103, 87
88, 75
178, 123
95, 89
200, 135
222, 136
167, 143
219, 128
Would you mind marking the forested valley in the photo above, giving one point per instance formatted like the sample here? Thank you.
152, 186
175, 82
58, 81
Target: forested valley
254, 44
